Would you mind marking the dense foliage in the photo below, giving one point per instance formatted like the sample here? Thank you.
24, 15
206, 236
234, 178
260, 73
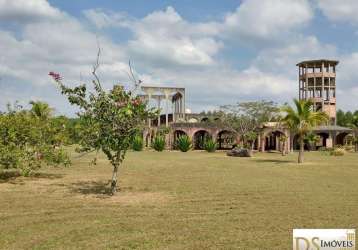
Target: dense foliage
109, 120
158, 143
210, 145
183, 143
347, 119
137, 143
246, 117
31, 138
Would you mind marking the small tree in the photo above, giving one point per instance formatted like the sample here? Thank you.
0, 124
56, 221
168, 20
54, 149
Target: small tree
302, 119
250, 138
110, 120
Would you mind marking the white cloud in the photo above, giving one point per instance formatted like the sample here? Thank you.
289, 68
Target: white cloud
343, 10
169, 50
164, 37
102, 19
265, 19
27, 10
286, 56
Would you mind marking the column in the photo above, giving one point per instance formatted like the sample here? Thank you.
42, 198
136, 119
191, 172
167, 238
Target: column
322, 87
159, 110
299, 82
306, 83
149, 97
173, 111
166, 108
184, 105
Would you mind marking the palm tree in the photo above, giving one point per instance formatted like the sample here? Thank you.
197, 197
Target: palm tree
41, 110
302, 119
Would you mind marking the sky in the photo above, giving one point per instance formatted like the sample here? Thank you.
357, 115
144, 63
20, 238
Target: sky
222, 52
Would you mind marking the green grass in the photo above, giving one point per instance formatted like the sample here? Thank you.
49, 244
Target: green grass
173, 200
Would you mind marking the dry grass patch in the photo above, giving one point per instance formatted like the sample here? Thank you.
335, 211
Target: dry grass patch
173, 200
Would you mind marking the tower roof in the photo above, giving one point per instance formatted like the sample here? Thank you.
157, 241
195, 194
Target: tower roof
311, 63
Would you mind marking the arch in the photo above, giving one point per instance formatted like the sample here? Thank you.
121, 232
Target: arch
199, 138
272, 140
341, 138
226, 139
204, 119
323, 140
178, 133
177, 96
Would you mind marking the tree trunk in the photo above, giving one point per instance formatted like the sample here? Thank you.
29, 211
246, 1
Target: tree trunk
251, 150
300, 154
114, 179
283, 148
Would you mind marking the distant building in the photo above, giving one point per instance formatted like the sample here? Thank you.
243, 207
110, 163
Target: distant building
316, 81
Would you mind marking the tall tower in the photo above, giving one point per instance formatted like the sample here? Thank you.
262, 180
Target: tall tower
317, 81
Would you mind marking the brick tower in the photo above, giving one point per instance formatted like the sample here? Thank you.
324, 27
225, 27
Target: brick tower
317, 81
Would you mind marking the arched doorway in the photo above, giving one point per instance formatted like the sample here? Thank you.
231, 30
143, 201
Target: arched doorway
272, 141
199, 139
323, 140
226, 139
341, 138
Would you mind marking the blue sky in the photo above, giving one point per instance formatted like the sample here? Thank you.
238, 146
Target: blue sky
220, 51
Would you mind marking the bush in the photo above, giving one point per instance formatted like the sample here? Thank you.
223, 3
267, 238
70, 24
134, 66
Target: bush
159, 143
349, 148
184, 143
210, 145
28, 141
137, 143
338, 152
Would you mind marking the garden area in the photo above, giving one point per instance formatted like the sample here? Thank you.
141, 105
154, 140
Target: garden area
175, 200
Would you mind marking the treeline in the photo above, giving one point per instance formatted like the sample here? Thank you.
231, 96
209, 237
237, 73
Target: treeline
347, 119
33, 137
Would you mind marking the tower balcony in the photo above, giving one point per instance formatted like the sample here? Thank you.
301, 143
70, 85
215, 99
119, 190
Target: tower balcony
317, 75
331, 100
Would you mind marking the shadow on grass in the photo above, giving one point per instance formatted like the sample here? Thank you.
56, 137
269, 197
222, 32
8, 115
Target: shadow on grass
101, 189
277, 161
11, 175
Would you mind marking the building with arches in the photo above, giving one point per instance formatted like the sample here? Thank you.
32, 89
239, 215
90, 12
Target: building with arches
316, 81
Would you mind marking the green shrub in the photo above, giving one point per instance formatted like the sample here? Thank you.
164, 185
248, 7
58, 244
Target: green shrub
210, 145
137, 143
158, 143
184, 143
338, 152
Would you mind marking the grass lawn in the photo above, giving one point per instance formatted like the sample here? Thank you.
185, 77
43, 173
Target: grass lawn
173, 200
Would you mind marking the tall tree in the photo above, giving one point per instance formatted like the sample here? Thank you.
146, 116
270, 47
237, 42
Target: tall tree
302, 119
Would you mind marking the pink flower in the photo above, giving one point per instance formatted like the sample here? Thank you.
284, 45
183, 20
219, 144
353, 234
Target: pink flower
55, 76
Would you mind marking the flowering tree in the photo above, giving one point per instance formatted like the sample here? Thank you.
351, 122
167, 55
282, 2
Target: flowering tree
109, 120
